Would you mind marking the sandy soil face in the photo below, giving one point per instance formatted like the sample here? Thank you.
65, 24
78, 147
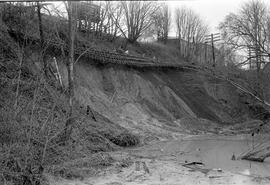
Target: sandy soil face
163, 163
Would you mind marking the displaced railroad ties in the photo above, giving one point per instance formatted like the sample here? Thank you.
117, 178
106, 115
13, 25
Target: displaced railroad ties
107, 57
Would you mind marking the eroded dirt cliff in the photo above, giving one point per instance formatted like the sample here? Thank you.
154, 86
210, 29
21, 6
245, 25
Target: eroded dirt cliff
152, 103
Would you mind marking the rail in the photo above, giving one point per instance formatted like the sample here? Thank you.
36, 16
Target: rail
110, 57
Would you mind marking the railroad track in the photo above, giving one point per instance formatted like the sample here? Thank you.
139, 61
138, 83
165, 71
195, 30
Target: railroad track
123, 59
110, 57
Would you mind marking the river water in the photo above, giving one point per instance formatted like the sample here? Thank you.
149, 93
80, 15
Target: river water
216, 152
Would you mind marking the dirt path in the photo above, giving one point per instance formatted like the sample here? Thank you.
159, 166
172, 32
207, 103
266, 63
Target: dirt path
162, 163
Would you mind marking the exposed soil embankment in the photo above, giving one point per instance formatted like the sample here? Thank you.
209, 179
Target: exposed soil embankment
148, 102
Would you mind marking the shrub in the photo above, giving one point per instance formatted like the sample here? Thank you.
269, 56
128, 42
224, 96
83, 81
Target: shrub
125, 139
79, 168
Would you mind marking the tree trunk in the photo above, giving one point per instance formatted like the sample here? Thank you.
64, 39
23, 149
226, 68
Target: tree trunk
70, 66
41, 36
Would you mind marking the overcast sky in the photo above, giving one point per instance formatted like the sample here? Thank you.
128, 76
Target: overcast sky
212, 11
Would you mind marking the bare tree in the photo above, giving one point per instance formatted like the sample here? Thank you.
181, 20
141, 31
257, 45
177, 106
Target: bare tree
162, 22
137, 18
103, 9
248, 30
114, 16
190, 28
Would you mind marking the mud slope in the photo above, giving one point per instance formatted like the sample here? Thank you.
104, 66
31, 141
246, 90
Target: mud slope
147, 101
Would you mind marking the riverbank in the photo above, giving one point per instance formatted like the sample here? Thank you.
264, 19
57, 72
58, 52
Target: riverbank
165, 163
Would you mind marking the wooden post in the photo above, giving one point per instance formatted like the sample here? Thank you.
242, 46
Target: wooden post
180, 47
213, 51
212, 38
193, 48
58, 73
249, 55
205, 49
214, 61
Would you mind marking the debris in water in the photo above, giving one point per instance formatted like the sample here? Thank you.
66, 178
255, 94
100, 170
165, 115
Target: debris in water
212, 177
233, 157
218, 169
146, 169
193, 163
196, 166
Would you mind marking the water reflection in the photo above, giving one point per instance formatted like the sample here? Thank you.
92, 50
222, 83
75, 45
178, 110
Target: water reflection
217, 153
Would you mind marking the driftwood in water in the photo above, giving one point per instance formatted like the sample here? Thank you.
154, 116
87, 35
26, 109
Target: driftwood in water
259, 153
197, 166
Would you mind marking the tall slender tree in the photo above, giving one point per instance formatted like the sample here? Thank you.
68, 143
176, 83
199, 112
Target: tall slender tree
162, 22
71, 11
114, 16
137, 18
41, 36
190, 28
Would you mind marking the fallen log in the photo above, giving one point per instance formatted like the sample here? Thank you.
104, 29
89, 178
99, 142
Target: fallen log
258, 154
193, 163
197, 166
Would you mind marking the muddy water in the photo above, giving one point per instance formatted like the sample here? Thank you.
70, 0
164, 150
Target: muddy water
213, 151
217, 153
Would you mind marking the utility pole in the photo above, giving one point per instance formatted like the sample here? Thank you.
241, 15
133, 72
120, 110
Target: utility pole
213, 51
205, 50
212, 38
